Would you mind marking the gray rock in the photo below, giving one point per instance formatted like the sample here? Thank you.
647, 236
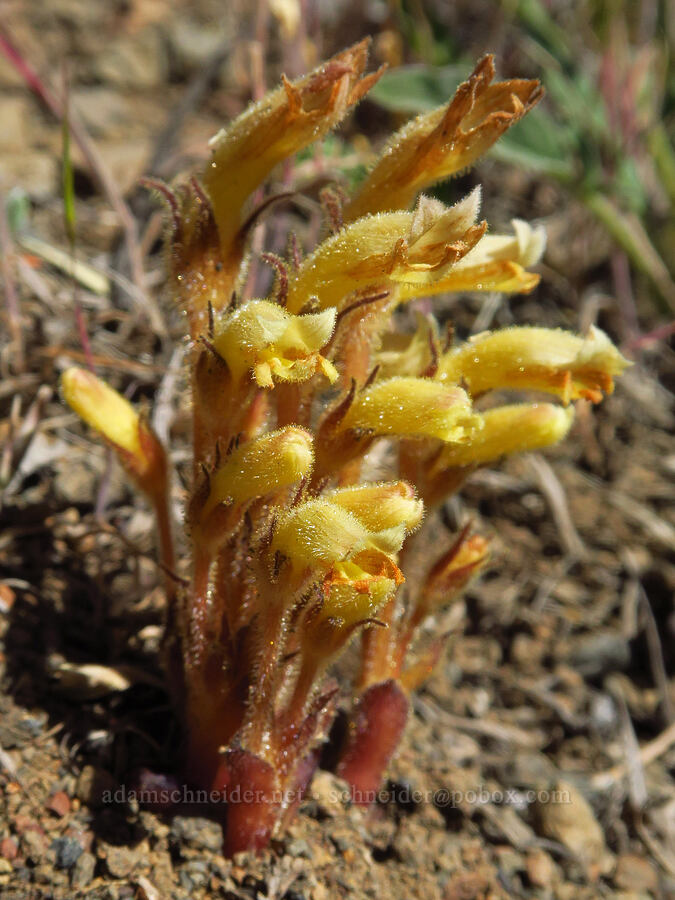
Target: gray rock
68, 850
194, 874
202, 834
600, 653
83, 870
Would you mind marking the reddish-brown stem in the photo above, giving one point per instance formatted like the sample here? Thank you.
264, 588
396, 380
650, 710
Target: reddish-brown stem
375, 731
376, 663
260, 709
302, 690
250, 786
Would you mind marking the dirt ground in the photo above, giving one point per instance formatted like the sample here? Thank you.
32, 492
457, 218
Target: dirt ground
539, 760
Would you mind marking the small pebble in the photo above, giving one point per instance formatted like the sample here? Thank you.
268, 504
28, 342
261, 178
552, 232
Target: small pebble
8, 848
34, 845
59, 803
68, 850
95, 786
83, 870
203, 834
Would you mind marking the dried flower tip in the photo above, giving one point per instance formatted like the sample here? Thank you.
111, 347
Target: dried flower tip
263, 465
555, 361
397, 248
445, 141
510, 429
276, 346
412, 407
381, 506
282, 123
497, 263
451, 574
115, 419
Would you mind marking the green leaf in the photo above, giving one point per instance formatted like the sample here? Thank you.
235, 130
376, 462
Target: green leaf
17, 207
417, 89
539, 143
629, 183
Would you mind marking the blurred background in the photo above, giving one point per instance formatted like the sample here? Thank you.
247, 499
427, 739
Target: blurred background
565, 653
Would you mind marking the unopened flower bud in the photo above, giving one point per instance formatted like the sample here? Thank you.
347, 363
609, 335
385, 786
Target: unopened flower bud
412, 407
115, 419
282, 123
440, 143
263, 465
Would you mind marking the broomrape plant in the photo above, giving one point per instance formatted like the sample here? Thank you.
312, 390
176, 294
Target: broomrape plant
299, 536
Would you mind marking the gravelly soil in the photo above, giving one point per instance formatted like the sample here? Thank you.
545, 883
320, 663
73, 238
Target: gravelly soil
539, 762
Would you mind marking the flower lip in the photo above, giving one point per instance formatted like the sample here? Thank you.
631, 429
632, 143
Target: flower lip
263, 338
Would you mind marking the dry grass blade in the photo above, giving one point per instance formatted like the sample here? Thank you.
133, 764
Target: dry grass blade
648, 753
554, 493
101, 172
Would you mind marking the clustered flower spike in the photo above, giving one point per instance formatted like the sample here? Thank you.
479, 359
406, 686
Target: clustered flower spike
325, 438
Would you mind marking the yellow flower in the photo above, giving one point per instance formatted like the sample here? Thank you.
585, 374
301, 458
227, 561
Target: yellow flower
397, 248
518, 428
115, 419
555, 361
282, 123
497, 263
412, 407
445, 141
321, 534
263, 465
276, 346
349, 602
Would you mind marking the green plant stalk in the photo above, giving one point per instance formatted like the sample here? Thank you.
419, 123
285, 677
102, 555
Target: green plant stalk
628, 231
661, 149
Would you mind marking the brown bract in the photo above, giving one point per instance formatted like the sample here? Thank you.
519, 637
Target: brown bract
445, 141
282, 123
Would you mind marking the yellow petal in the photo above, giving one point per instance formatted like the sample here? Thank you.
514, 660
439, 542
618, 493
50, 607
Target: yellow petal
101, 407
263, 338
318, 534
441, 143
381, 506
112, 416
496, 263
554, 361
409, 354
350, 605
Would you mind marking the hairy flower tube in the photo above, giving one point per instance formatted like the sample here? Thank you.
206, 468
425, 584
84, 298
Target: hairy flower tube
325, 437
